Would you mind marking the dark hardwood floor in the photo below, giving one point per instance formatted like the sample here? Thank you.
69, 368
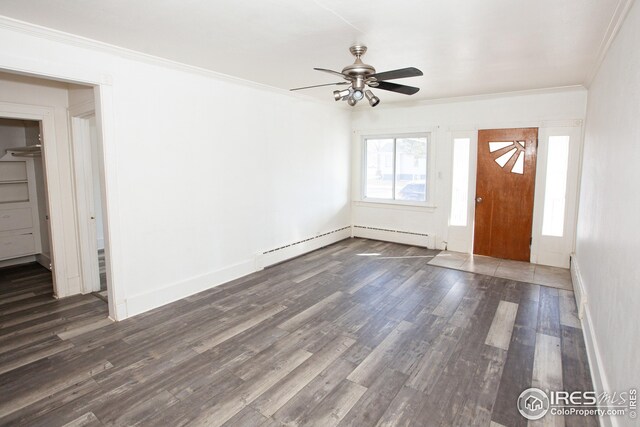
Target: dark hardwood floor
340, 336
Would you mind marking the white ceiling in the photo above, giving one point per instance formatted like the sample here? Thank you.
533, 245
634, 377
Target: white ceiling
464, 47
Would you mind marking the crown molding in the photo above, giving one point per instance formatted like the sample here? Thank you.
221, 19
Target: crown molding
482, 96
69, 39
619, 15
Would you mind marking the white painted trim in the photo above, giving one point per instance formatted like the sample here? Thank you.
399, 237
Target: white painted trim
556, 250
474, 127
397, 205
108, 164
395, 236
359, 143
478, 97
16, 261
578, 287
594, 355
268, 258
140, 303
43, 260
86, 43
84, 109
460, 238
83, 182
619, 15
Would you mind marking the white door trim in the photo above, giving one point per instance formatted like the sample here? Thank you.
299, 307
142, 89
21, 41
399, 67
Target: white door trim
83, 181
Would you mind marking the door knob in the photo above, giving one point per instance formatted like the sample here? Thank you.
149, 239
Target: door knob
478, 199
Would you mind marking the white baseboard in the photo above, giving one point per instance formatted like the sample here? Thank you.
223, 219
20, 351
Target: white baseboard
44, 261
578, 286
17, 261
598, 375
140, 303
294, 250
395, 236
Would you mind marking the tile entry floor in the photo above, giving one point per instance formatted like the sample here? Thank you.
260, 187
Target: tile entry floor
507, 269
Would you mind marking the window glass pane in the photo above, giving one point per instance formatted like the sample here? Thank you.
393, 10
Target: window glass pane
379, 179
460, 187
411, 169
518, 166
555, 186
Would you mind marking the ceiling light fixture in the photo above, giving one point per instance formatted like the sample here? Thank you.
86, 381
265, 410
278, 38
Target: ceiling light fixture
341, 94
360, 75
373, 100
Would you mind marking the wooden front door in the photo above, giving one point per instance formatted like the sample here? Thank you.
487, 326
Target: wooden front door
504, 192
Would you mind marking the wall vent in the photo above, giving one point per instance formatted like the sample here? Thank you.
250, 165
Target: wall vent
391, 231
307, 240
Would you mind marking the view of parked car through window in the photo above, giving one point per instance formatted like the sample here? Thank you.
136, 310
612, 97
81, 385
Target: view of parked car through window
396, 168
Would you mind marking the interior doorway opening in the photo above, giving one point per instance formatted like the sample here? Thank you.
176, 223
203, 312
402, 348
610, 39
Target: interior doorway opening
24, 210
73, 195
89, 198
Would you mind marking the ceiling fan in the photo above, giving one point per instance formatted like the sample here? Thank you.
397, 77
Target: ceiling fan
360, 75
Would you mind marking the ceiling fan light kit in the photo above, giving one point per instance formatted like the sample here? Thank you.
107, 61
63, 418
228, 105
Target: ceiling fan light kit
360, 75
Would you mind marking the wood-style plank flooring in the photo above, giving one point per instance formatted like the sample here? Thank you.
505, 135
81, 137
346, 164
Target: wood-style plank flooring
360, 333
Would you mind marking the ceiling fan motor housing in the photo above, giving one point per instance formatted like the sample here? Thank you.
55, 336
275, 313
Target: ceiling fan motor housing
358, 71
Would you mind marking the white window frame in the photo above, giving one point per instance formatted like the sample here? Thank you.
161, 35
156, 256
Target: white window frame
428, 172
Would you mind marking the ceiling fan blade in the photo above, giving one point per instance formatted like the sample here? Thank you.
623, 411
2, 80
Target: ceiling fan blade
326, 84
393, 87
337, 73
397, 74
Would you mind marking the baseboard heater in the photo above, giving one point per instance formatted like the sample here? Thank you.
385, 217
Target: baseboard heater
391, 231
398, 236
319, 236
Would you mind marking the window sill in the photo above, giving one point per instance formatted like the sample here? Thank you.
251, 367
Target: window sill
387, 204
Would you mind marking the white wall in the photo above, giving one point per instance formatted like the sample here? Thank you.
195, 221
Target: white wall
12, 134
203, 173
608, 232
442, 119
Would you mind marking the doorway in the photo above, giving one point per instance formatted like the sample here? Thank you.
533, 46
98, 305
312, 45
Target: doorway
24, 212
89, 193
505, 185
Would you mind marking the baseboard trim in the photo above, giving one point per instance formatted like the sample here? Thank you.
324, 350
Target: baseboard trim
395, 236
283, 253
598, 375
140, 303
143, 302
44, 261
16, 261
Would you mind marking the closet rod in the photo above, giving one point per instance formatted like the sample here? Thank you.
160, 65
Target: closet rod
27, 154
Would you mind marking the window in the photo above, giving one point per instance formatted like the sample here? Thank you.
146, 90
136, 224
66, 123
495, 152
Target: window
396, 168
460, 184
555, 186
